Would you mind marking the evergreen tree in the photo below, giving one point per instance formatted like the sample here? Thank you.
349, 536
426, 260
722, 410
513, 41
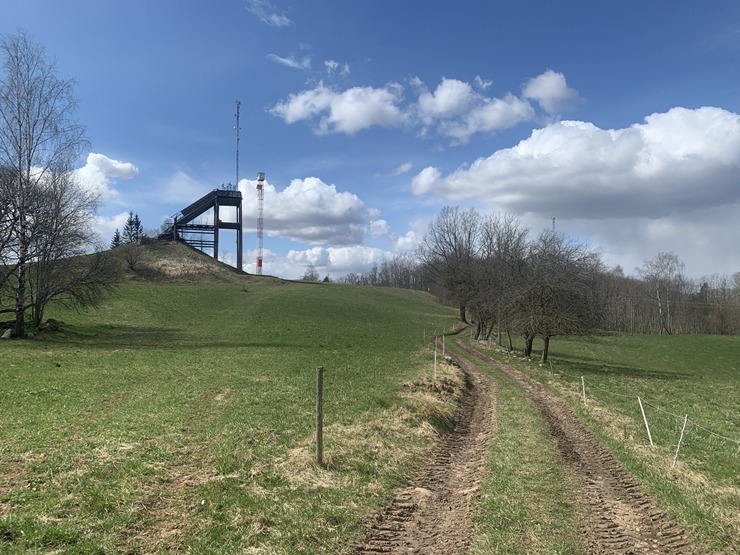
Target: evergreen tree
117, 241
133, 230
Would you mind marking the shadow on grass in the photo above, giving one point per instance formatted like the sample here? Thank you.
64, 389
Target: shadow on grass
585, 366
118, 336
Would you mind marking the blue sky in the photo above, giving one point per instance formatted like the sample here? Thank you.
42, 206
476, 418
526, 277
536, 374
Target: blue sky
619, 119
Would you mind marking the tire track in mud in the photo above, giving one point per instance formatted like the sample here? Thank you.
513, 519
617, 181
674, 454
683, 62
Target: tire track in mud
433, 514
622, 518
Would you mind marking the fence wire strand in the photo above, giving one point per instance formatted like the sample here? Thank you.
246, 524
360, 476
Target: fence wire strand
677, 417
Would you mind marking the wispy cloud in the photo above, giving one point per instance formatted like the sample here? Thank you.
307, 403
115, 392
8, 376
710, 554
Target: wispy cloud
291, 61
332, 66
403, 168
266, 11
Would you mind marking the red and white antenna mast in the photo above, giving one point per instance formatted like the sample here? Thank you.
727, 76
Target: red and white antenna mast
260, 218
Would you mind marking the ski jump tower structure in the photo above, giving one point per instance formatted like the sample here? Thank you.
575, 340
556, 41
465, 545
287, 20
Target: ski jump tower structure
205, 236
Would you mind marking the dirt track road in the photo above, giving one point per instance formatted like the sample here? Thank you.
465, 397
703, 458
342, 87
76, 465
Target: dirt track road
433, 515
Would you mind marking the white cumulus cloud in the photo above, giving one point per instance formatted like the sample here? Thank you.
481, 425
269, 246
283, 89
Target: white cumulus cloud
551, 91
309, 210
345, 112
335, 261
100, 173
455, 109
450, 99
675, 161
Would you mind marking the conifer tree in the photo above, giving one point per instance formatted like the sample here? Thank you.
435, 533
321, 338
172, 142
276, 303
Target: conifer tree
117, 241
133, 230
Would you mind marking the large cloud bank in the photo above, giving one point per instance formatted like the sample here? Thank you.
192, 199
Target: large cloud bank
677, 161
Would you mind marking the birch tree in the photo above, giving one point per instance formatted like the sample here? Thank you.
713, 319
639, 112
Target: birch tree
40, 140
665, 279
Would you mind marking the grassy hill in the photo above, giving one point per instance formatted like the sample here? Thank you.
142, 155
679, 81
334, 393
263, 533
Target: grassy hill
179, 414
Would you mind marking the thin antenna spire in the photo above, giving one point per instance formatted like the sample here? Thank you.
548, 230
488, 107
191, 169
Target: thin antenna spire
238, 105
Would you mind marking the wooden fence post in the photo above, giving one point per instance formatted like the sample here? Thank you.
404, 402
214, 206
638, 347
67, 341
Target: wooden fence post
320, 415
434, 377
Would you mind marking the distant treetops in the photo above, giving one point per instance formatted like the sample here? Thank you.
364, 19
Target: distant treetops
133, 231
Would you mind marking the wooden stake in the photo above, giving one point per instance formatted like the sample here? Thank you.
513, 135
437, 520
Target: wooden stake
320, 416
583, 389
434, 378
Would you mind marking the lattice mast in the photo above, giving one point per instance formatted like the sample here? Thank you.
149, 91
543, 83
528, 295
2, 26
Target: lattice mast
260, 218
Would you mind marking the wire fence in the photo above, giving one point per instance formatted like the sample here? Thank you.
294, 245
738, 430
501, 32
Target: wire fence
673, 430
661, 426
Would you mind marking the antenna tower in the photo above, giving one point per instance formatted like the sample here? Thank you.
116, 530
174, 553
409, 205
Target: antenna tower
238, 105
260, 218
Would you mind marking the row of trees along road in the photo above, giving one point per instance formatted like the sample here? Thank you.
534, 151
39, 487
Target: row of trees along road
509, 282
45, 215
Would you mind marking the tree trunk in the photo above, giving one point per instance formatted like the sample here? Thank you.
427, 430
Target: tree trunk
545, 349
511, 344
463, 310
528, 340
20, 299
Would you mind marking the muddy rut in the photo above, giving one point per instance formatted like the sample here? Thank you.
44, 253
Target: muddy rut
433, 515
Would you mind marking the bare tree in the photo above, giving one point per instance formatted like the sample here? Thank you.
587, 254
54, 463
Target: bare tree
60, 234
7, 230
40, 139
503, 242
311, 273
449, 249
664, 275
556, 295
402, 271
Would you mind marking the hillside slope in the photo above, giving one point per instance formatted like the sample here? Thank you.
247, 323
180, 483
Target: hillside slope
171, 261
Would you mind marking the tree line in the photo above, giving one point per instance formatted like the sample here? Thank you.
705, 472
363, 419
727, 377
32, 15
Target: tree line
508, 281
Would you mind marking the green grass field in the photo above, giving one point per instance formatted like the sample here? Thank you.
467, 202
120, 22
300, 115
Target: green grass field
675, 376
181, 418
